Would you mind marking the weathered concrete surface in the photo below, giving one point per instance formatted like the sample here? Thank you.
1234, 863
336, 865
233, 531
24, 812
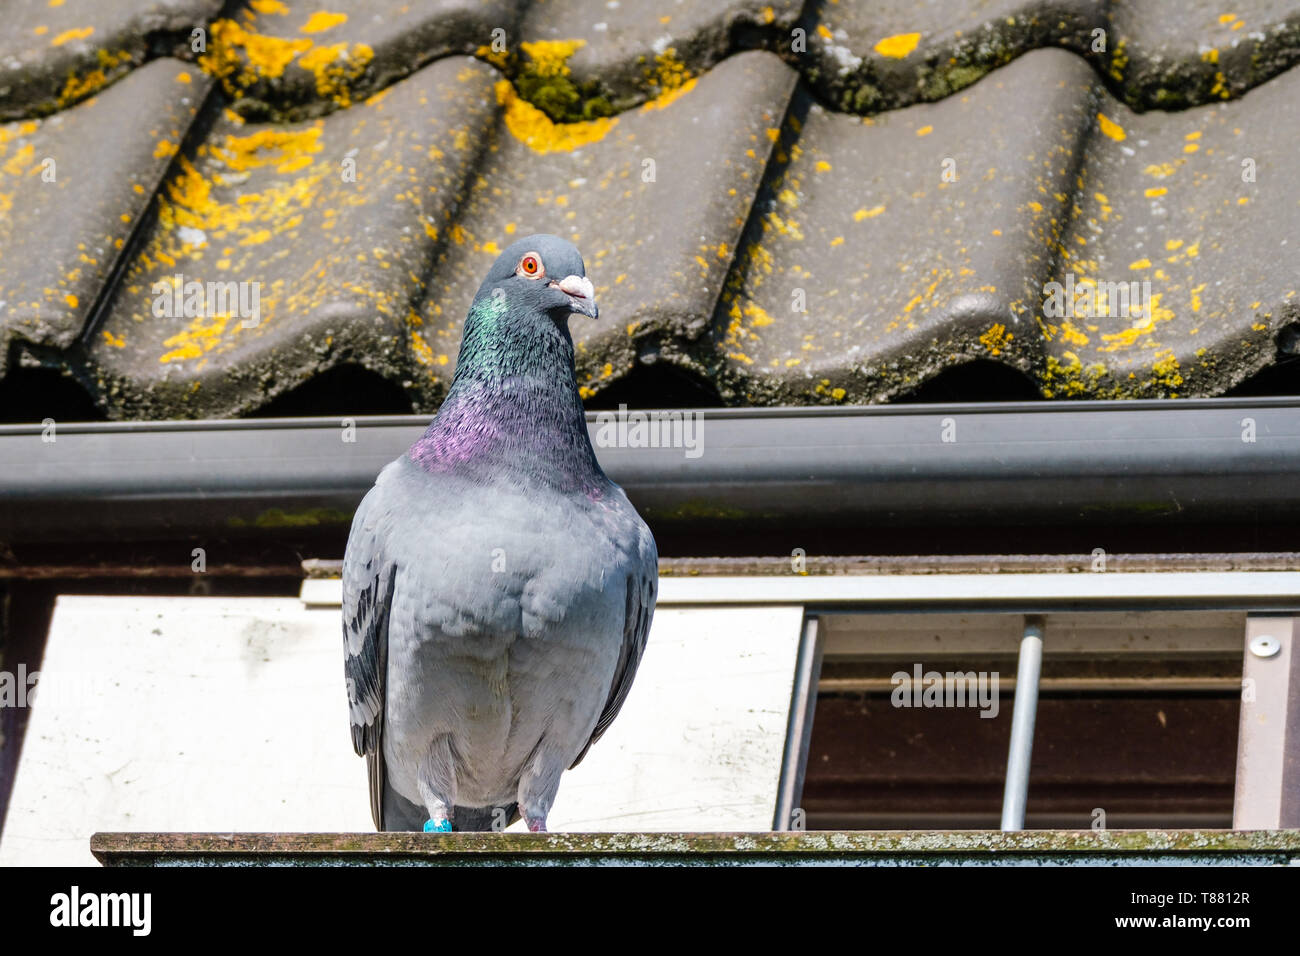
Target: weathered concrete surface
655, 199
333, 222
862, 848
73, 188
54, 54
912, 241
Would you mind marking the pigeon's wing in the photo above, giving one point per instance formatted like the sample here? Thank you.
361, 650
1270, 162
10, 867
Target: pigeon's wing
368, 578
641, 588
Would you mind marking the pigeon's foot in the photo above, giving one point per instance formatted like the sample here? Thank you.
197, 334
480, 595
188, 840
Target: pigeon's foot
437, 826
535, 824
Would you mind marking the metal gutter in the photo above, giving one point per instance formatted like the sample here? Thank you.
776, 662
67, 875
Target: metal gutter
1018, 463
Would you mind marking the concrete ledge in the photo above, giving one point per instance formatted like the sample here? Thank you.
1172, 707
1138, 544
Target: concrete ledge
859, 848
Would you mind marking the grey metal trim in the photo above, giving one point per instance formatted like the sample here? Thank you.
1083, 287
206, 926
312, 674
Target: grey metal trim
1020, 463
1268, 742
1289, 812
1023, 593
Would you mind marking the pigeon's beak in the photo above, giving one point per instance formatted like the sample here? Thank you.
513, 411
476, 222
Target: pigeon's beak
581, 293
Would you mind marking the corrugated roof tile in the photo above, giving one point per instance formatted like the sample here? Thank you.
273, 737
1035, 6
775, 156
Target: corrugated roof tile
886, 250
655, 198
593, 56
54, 54
867, 57
1153, 54
1198, 208
73, 188
287, 60
1170, 54
324, 229
707, 197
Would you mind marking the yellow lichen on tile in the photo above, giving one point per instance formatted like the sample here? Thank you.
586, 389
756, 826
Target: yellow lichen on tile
670, 77
668, 97
1072, 335
1162, 170
77, 88
898, 46
337, 68
500, 58
322, 20
202, 335
551, 57
1166, 369
188, 201
67, 36
1143, 326
1110, 128
288, 150
539, 132
996, 338
241, 58
421, 350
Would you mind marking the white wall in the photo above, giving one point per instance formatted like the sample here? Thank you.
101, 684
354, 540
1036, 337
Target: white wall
229, 714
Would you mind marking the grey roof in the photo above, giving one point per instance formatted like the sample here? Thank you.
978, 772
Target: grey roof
840, 204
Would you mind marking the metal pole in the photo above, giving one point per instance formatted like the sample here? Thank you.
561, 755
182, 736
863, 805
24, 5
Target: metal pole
794, 762
1024, 711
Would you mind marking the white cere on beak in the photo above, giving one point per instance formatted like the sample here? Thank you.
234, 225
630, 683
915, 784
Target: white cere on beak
579, 286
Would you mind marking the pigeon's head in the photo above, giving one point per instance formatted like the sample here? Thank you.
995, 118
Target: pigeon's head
542, 273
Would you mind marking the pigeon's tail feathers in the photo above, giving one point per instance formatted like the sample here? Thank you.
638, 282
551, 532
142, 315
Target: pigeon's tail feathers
367, 738
484, 818
376, 771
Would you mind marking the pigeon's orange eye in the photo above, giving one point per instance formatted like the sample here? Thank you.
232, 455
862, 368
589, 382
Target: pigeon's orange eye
530, 266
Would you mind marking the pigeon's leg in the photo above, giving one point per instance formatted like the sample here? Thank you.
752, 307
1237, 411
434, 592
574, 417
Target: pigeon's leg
538, 784
437, 783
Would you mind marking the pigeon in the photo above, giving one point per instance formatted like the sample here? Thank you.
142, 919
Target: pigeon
498, 588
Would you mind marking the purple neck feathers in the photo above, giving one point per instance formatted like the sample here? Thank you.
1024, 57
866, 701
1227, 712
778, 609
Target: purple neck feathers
513, 409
